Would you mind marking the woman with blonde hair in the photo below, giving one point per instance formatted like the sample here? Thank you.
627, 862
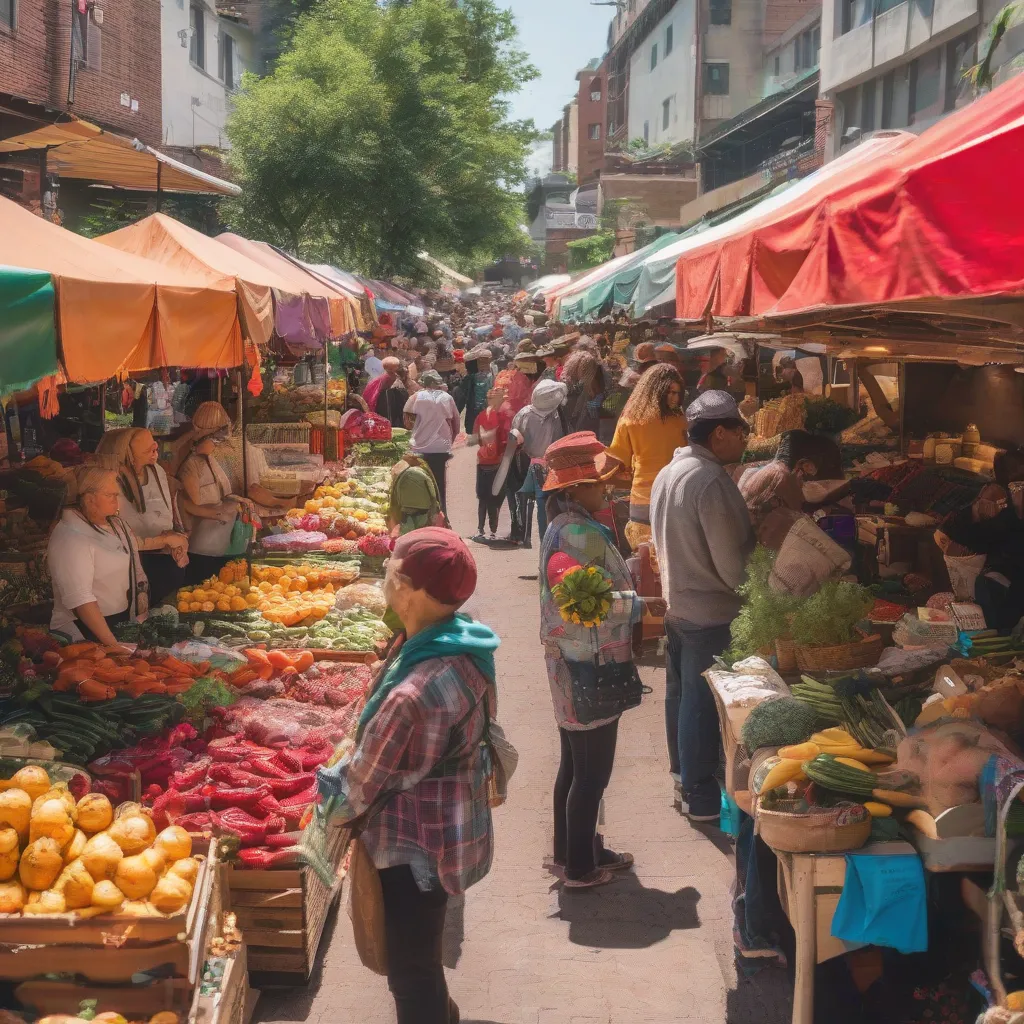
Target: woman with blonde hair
147, 504
652, 426
94, 563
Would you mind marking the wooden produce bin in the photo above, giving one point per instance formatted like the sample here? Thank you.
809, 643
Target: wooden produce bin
235, 1001
282, 914
110, 949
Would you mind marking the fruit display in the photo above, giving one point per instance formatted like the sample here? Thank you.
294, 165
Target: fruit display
88, 1015
348, 509
59, 855
315, 574
286, 403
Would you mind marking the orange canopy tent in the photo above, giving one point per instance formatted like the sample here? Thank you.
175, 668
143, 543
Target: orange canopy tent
120, 313
175, 245
342, 308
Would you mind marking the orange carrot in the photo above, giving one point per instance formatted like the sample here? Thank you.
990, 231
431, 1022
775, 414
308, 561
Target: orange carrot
92, 690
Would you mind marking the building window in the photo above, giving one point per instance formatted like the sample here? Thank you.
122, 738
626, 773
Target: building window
721, 12
595, 91
778, 65
594, 131
668, 40
197, 36
925, 79
867, 107
805, 49
666, 110
654, 56
7, 12
647, 132
226, 59
816, 45
959, 57
716, 79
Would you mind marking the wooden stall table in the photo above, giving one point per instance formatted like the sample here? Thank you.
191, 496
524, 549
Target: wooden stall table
810, 885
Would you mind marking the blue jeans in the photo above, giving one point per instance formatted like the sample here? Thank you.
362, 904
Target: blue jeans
533, 488
691, 716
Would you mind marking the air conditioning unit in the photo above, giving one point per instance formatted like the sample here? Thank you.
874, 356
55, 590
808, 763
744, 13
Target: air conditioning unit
97, 15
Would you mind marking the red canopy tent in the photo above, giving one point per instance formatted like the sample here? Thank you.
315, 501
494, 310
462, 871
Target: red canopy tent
933, 219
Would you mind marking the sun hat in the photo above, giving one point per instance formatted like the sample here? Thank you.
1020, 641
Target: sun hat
645, 352
712, 405
479, 352
526, 347
431, 379
578, 458
559, 347
544, 351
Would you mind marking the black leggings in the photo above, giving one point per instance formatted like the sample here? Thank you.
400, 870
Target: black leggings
586, 767
487, 505
438, 463
164, 574
414, 930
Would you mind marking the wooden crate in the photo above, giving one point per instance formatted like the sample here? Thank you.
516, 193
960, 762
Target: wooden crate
235, 1001
112, 949
282, 915
52, 997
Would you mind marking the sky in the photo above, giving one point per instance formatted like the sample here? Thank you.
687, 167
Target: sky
560, 36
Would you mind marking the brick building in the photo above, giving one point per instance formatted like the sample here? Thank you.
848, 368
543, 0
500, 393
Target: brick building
592, 104
96, 59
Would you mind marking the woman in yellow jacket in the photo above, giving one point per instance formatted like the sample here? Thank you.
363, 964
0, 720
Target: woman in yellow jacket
652, 426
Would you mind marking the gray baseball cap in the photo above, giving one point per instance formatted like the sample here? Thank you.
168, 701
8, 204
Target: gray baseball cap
712, 405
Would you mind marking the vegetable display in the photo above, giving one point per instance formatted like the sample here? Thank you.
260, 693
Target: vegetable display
59, 855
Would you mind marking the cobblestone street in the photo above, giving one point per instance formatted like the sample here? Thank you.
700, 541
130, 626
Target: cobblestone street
653, 947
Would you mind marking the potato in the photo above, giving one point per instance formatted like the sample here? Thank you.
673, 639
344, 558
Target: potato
187, 868
9, 854
94, 813
15, 808
50, 818
32, 779
107, 895
135, 878
40, 864
12, 897
171, 894
101, 857
175, 842
133, 833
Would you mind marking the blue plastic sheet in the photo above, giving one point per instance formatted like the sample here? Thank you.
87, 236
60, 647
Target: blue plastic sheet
883, 903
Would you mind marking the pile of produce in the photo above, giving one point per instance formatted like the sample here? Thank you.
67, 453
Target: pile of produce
316, 573
87, 1015
97, 673
349, 510
830, 616
288, 403
59, 855
765, 616
287, 723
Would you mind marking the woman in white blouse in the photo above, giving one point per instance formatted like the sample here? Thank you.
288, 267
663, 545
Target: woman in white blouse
94, 563
147, 505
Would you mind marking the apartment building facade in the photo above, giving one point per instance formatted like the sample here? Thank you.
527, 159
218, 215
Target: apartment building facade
96, 59
205, 50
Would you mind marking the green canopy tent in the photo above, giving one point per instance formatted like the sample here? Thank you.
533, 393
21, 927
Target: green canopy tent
616, 288
28, 332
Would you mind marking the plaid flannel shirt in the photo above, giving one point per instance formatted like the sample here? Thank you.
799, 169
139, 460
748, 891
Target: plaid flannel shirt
440, 827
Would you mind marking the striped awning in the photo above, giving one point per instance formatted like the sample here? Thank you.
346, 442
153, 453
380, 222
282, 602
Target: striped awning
78, 149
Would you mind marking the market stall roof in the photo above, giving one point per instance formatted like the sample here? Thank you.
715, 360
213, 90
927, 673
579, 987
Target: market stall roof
118, 311
578, 303
366, 315
174, 244
657, 282
384, 292
593, 275
339, 304
548, 281
448, 276
78, 149
28, 332
927, 220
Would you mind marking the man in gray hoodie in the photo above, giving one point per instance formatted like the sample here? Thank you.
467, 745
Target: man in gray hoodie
703, 538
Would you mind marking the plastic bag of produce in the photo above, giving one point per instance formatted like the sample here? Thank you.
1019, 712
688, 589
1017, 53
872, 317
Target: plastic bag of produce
219, 656
367, 595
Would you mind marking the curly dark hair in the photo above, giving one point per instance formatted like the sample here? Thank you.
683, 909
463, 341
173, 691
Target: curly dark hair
649, 400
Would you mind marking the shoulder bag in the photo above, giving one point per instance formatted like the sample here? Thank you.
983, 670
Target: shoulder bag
603, 689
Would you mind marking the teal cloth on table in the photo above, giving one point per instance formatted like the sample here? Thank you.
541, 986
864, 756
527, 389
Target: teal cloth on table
883, 902
455, 636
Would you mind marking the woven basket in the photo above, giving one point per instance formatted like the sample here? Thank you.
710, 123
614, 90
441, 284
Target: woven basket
811, 833
859, 654
785, 654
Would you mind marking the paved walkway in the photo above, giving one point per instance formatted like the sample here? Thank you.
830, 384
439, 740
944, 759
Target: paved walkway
654, 947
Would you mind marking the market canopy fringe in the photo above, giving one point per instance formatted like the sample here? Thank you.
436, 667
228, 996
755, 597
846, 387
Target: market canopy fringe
933, 219
117, 312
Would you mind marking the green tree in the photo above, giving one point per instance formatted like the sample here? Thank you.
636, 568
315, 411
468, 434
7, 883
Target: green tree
384, 131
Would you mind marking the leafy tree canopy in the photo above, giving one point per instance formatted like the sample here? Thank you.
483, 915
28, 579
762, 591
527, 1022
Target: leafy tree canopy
383, 131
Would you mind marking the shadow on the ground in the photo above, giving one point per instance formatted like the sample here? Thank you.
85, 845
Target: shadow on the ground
722, 842
625, 915
762, 998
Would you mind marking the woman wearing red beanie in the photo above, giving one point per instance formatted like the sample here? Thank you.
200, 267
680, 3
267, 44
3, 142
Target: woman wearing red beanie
419, 767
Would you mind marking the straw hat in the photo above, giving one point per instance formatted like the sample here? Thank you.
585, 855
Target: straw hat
479, 352
578, 459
